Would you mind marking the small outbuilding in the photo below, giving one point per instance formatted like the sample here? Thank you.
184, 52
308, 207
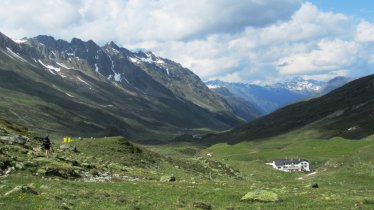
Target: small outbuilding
291, 165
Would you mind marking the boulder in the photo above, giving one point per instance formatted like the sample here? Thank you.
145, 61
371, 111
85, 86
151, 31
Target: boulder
168, 178
40, 172
313, 185
23, 188
66, 206
201, 205
68, 147
37, 149
62, 172
261, 196
15, 139
19, 165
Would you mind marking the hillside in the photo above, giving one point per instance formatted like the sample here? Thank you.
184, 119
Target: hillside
345, 112
114, 173
64, 87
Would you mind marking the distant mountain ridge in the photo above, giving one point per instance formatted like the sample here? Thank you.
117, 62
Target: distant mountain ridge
268, 98
240, 106
346, 111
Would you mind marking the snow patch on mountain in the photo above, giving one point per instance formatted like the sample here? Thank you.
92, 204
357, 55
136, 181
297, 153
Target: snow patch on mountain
148, 58
300, 85
69, 95
20, 41
96, 68
213, 86
117, 77
81, 80
50, 68
63, 65
112, 50
15, 55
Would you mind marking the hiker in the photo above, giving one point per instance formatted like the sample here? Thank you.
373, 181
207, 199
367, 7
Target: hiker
47, 146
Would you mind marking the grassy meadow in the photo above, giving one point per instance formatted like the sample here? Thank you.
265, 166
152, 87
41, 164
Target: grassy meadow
345, 174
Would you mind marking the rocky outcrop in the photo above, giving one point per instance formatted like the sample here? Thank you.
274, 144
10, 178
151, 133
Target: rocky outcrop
14, 139
69, 147
168, 178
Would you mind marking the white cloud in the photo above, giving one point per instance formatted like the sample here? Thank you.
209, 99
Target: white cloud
131, 21
330, 56
327, 76
308, 22
23, 18
304, 45
241, 40
365, 32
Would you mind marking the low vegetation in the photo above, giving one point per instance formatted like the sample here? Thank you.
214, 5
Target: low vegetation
114, 173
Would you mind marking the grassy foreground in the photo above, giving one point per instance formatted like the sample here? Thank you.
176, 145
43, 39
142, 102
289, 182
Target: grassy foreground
345, 174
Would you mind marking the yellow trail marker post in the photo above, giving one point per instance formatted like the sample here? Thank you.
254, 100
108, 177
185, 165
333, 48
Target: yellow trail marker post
67, 139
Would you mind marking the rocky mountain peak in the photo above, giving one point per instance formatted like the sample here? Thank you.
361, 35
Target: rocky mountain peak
112, 45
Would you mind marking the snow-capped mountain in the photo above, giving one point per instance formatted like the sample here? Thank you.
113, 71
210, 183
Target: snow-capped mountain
269, 98
105, 90
299, 85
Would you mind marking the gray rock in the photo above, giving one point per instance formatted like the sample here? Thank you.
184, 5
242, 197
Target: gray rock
40, 172
62, 172
69, 147
313, 185
19, 165
23, 188
37, 149
168, 178
15, 139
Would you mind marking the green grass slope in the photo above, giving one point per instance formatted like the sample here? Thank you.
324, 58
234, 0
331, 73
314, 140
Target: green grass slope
345, 170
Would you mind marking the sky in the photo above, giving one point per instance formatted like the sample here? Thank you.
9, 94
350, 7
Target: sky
251, 41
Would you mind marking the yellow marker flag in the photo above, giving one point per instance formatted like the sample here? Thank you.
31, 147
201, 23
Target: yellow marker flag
69, 139
65, 140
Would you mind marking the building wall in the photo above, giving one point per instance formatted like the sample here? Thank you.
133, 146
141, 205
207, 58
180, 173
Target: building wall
302, 166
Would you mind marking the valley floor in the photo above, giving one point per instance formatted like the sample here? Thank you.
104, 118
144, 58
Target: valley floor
345, 174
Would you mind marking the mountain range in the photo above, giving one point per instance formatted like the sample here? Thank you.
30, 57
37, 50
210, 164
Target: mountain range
268, 98
346, 112
59, 86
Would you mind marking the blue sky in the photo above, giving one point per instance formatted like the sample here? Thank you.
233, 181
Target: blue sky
356, 8
236, 41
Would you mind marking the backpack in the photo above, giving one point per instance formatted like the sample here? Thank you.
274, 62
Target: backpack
46, 141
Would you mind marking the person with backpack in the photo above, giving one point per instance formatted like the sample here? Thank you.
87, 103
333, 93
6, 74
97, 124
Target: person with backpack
47, 145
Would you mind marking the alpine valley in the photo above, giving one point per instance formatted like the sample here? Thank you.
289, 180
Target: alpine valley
131, 130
